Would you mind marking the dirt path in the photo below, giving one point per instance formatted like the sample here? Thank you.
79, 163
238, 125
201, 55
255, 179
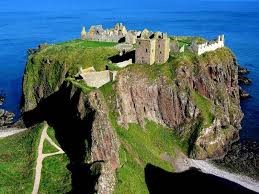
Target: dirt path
41, 156
10, 132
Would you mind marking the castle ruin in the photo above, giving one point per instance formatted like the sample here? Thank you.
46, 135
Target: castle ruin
83, 34
152, 48
98, 33
209, 46
97, 79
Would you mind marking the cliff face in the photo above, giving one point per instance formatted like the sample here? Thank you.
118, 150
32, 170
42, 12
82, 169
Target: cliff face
180, 103
197, 99
105, 145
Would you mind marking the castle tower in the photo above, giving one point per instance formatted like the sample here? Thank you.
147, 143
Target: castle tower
83, 34
162, 48
92, 33
145, 51
219, 38
223, 38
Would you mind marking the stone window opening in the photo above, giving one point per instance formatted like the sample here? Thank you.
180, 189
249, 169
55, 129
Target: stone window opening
146, 50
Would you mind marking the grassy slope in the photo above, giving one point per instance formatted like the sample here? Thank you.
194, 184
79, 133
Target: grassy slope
55, 178
205, 106
48, 148
18, 156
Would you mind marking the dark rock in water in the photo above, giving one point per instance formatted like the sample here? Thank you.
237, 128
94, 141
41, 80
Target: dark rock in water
243, 94
6, 118
2, 98
244, 80
243, 157
243, 70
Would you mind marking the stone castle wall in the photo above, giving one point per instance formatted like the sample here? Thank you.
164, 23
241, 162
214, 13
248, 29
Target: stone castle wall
210, 46
145, 51
104, 37
162, 50
124, 63
97, 79
150, 51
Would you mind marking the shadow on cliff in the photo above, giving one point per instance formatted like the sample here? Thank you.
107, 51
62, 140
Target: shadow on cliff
73, 133
191, 181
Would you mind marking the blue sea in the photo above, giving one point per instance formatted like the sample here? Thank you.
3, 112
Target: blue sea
239, 21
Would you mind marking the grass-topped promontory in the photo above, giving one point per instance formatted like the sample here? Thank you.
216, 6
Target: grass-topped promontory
49, 67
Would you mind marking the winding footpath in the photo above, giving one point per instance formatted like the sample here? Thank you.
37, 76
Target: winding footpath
42, 156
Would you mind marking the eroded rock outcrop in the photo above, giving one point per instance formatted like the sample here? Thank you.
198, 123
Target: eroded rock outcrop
105, 145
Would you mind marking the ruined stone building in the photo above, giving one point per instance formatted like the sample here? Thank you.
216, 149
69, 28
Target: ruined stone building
208, 46
97, 79
83, 34
131, 36
152, 48
98, 33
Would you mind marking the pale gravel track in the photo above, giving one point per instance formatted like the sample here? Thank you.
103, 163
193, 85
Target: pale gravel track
41, 157
10, 132
182, 163
209, 168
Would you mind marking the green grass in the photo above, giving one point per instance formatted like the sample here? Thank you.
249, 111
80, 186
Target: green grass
187, 40
87, 44
18, 156
51, 134
113, 67
80, 84
205, 106
55, 177
152, 72
139, 147
48, 148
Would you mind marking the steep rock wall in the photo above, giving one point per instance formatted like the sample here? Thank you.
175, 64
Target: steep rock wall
171, 103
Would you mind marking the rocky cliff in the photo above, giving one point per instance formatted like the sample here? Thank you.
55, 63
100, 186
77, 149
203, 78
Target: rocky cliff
197, 98
200, 102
